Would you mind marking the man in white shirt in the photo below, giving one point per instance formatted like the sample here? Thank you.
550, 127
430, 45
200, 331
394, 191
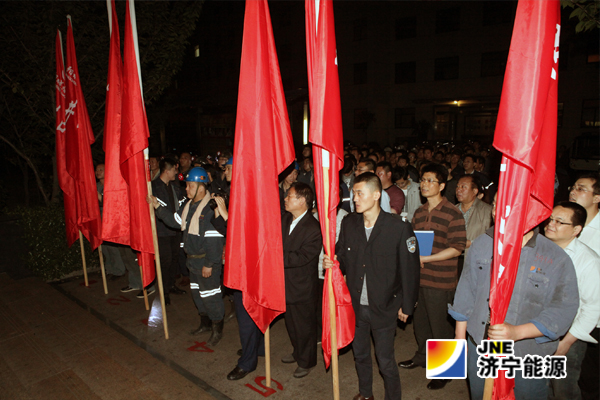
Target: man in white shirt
586, 192
564, 225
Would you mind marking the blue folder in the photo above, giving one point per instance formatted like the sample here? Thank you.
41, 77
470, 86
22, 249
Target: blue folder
425, 241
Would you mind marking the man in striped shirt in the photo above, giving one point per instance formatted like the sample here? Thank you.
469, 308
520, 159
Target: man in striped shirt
439, 275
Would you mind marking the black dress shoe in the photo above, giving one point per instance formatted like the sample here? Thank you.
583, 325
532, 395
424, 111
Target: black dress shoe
436, 384
167, 299
236, 374
176, 290
408, 364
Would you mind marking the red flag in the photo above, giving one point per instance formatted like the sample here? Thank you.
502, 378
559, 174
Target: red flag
115, 222
64, 179
134, 140
526, 135
79, 138
328, 143
263, 148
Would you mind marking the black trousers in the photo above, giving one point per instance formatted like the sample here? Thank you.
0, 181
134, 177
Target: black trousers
589, 380
431, 319
251, 338
384, 351
301, 324
168, 246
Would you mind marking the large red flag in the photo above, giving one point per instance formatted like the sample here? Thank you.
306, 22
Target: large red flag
526, 135
328, 144
64, 179
115, 222
263, 148
134, 140
79, 138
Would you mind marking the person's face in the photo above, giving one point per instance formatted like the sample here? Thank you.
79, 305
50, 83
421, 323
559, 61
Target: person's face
412, 157
222, 161
430, 186
185, 161
468, 164
478, 167
420, 155
171, 172
153, 164
448, 157
364, 198
100, 171
384, 177
582, 193
439, 157
427, 154
360, 169
190, 190
402, 183
494, 207
483, 153
306, 165
291, 178
293, 202
559, 227
464, 192
306, 152
355, 153
228, 172
402, 162
454, 159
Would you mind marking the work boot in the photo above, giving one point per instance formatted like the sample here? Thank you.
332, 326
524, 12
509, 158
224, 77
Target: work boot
205, 325
217, 333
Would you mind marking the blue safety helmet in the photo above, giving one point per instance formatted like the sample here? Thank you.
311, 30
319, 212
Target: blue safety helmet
230, 161
197, 174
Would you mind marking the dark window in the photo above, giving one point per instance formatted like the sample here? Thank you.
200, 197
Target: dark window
447, 20
361, 118
404, 117
360, 73
498, 12
406, 72
493, 63
446, 68
360, 29
406, 28
589, 114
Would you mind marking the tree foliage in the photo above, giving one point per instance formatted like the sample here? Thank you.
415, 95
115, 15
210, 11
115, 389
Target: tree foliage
27, 67
587, 11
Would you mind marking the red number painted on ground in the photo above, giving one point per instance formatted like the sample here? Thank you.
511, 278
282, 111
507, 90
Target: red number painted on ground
115, 301
200, 347
267, 391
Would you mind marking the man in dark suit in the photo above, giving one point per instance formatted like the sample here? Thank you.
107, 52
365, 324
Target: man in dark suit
302, 243
380, 257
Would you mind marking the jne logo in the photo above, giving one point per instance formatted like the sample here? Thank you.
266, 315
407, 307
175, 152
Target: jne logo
446, 359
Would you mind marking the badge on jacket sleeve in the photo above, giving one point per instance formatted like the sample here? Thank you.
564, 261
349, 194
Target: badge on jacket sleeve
411, 243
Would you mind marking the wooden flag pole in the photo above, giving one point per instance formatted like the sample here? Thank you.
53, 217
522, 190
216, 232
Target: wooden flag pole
85, 277
332, 308
143, 288
156, 252
102, 269
268, 356
488, 388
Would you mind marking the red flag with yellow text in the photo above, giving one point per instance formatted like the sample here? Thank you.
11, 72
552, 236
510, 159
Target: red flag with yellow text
526, 135
263, 148
327, 138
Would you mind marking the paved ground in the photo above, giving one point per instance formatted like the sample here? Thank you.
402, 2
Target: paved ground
66, 341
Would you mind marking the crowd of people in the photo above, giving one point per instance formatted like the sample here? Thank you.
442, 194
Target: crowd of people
386, 194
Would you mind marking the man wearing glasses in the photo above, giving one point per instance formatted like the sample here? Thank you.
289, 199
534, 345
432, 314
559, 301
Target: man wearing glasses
439, 271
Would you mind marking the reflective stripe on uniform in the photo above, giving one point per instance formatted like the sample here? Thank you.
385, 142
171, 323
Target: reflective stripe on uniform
212, 234
194, 286
162, 203
208, 293
178, 218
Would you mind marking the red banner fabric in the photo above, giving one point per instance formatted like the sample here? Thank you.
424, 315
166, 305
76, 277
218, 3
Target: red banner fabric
263, 148
526, 135
327, 138
79, 137
134, 140
115, 214
65, 180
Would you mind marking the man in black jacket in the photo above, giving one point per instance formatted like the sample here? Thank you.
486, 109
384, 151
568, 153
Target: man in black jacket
171, 196
380, 258
302, 243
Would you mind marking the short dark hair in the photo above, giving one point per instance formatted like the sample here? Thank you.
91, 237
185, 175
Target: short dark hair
399, 173
304, 191
428, 147
579, 213
471, 156
385, 165
403, 157
348, 164
480, 160
370, 164
166, 163
441, 172
594, 176
371, 180
475, 182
